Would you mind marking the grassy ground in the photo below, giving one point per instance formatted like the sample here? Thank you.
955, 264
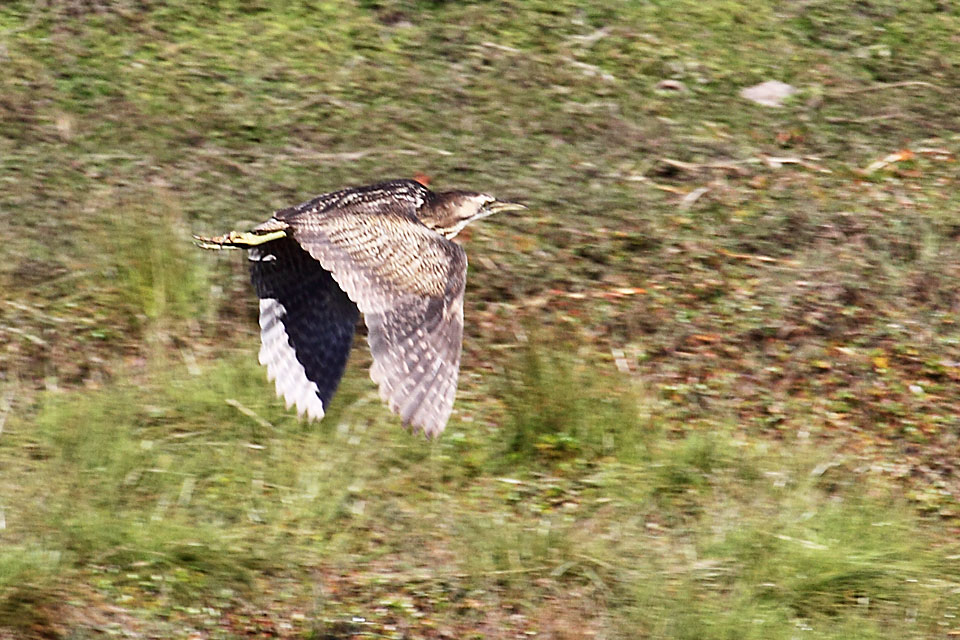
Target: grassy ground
709, 381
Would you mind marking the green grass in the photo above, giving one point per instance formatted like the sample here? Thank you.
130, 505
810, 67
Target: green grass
725, 416
556, 411
160, 492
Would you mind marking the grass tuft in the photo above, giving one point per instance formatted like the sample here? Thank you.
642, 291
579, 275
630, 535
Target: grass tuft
158, 270
560, 409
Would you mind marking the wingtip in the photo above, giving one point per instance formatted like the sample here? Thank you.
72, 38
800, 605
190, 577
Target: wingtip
210, 244
429, 432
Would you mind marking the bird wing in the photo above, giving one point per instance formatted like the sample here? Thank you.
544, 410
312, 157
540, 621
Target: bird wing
408, 281
307, 324
396, 195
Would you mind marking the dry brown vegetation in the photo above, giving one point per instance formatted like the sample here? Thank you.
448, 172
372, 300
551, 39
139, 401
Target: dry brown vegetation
709, 385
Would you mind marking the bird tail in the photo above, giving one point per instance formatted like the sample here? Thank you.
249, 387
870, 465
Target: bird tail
239, 239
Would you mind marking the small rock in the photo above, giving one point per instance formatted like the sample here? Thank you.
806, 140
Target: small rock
771, 93
671, 85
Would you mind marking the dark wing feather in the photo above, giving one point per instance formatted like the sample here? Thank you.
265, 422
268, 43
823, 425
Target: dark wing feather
307, 324
408, 281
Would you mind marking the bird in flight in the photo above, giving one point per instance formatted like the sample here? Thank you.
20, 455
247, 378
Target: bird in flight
385, 251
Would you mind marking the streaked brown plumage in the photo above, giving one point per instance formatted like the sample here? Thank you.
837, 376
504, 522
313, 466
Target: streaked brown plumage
382, 250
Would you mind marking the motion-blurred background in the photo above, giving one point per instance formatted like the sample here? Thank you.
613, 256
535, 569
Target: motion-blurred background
709, 386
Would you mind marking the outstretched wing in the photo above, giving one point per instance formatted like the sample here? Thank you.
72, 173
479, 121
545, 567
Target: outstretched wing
408, 281
398, 195
307, 324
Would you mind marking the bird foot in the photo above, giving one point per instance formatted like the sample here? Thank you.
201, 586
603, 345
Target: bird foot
242, 240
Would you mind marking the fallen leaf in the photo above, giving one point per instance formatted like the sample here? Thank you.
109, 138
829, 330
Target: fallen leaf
706, 337
899, 156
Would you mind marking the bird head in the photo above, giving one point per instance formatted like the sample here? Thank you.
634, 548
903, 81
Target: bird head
451, 211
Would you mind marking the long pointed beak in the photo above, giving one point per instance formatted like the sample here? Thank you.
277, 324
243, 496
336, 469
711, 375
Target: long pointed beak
502, 207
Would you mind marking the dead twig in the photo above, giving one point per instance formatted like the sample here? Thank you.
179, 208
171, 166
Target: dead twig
249, 413
590, 38
591, 70
756, 257
890, 85
689, 199
866, 120
733, 166
499, 47
36, 312
40, 342
181, 436
680, 164
596, 561
935, 152
323, 98
776, 162
5, 406
402, 578
307, 154
505, 572
436, 150
240, 168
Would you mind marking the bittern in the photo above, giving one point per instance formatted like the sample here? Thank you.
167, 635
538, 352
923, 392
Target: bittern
385, 251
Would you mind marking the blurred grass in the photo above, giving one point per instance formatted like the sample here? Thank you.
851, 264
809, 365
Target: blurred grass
737, 447
169, 495
557, 409
154, 264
